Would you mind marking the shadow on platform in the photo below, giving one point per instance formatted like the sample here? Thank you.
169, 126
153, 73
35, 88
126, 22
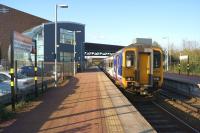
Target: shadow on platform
33, 120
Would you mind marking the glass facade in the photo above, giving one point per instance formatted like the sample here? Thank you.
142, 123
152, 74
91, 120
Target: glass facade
21, 55
37, 33
66, 36
66, 56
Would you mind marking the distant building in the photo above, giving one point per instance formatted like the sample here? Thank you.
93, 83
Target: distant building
12, 19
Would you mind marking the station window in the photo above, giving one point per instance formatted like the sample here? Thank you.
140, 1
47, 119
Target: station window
130, 57
156, 59
66, 56
66, 36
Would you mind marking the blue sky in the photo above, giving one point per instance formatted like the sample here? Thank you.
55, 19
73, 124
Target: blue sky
120, 21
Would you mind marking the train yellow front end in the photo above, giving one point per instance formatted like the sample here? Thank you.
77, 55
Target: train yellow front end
138, 68
142, 69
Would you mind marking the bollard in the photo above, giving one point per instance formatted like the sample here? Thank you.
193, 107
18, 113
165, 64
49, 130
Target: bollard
16, 78
179, 68
35, 70
12, 72
188, 69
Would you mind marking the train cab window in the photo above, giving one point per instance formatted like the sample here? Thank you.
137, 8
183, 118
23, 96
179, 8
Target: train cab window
130, 57
156, 59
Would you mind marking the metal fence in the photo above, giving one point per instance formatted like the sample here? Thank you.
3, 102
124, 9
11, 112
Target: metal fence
193, 68
24, 78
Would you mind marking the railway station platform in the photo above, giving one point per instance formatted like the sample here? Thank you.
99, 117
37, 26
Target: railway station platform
183, 84
88, 103
190, 79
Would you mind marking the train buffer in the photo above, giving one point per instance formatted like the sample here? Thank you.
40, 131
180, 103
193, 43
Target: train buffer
89, 102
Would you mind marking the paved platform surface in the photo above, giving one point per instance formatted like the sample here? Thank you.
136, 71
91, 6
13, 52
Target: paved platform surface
89, 103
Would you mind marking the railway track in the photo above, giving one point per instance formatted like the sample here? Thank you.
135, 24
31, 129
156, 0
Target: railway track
185, 108
159, 116
192, 104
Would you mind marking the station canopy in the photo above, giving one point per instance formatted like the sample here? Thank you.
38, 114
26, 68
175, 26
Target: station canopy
96, 49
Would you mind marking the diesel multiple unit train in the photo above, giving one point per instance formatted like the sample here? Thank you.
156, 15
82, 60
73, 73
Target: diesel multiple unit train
138, 67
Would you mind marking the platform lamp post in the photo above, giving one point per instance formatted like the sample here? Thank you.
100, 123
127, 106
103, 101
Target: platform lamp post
56, 7
74, 42
167, 60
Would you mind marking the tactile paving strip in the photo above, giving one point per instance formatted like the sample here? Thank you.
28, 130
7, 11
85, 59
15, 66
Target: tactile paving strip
111, 119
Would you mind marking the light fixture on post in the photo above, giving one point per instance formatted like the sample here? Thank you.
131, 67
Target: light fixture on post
55, 55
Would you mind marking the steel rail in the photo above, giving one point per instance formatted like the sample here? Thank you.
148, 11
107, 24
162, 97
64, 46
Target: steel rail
195, 130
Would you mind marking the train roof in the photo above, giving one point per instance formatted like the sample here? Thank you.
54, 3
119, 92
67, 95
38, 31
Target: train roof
139, 45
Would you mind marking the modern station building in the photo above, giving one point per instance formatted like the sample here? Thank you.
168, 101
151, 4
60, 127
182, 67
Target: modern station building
67, 36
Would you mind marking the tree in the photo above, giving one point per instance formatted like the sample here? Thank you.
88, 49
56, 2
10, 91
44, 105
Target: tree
156, 44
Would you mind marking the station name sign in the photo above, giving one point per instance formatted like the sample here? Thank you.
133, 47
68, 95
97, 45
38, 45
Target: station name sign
22, 42
183, 57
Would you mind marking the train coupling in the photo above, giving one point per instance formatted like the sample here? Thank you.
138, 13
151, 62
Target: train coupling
143, 93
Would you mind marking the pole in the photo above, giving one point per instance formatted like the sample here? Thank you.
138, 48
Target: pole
169, 52
168, 56
16, 78
188, 66
81, 57
12, 71
55, 56
63, 68
42, 77
179, 67
35, 70
16, 81
74, 53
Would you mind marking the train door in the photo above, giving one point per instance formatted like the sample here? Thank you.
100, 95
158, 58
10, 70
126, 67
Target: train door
119, 68
144, 68
115, 67
120, 65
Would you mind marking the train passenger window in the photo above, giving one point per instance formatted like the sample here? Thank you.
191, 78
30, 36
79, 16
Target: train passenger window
156, 59
130, 55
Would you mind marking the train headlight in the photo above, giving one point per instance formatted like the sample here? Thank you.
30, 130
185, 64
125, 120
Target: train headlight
156, 78
129, 78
